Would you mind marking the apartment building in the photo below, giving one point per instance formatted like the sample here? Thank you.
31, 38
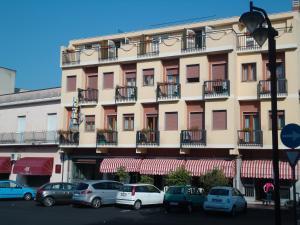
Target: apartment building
194, 95
29, 150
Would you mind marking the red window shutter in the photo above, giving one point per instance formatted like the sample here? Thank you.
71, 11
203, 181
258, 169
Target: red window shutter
108, 80
196, 120
71, 83
173, 71
148, 72
192, 71
129, 75
171, 121
220, 120
219, 72
92, 81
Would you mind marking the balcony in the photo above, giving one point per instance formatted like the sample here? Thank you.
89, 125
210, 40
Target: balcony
192, 138
88, 96
31, 137
193, 43
264, 88
107, 137
126, 94
68, 138
70, 58
246, 42
147, 49
216, 89
147, 138
168, 91
248, 138
109, 53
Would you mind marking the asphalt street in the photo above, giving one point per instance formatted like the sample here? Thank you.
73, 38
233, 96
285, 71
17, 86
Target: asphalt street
30, 213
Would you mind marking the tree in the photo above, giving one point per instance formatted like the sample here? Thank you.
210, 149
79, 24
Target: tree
122, 174
146, 179
213, 178
178, 177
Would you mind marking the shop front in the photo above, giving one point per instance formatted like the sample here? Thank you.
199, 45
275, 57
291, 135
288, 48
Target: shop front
85, 169
5, 168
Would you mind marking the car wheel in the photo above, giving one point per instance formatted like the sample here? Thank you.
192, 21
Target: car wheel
28, 196
96, 203
48, 201
137, 205
233, 211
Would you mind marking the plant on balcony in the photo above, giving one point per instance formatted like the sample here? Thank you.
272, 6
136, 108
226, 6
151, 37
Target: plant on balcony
146, 179
122, 175
213, 178
178, 177
246, 129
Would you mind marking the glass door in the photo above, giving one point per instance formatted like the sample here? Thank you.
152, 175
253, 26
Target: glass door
251, 127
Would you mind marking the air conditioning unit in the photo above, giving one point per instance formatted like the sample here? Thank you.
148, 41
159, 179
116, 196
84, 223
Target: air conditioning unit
15, 156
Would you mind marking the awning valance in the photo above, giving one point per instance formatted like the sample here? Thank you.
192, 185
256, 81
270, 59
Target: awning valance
40, 166
110, 165
5, 165
264, 169
160, 166
202, 166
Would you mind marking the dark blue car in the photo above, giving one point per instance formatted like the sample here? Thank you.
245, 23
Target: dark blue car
11, 189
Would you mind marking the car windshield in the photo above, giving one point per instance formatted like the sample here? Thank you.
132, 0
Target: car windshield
82, 186
222, 192
175, 190
126, 188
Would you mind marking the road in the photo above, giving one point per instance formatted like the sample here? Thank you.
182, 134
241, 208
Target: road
29, 213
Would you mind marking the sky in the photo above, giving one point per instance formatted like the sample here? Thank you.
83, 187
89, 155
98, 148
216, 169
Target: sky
32, 31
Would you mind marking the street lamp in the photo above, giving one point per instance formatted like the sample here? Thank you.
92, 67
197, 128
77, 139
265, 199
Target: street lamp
260, 28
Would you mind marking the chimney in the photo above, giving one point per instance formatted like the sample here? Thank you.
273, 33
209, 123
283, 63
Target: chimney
296, 5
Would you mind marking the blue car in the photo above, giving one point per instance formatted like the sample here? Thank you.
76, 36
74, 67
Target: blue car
11, 189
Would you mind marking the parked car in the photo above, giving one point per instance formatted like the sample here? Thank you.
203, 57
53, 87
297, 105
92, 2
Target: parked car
186, 197
96, 193
137, 195
52, 193
225, 199
12, 189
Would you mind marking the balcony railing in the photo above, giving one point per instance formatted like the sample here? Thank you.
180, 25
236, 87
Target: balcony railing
70, 58
107, 137
193, 43
88, 96
190, 138
126, 94
31, 137
216, 88
250, 137
68, 138
148, 49
147, 138
264, 88
246, 42
168, 91
109, 53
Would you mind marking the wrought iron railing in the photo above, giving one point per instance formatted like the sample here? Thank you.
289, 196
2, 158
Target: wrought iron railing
29, 137
147, 137
126, 94
192, 138
191, 43
88, 95
168, 91
147, 48
250, 137
216, 88
68, 138
246, 42
107, 137
264, 87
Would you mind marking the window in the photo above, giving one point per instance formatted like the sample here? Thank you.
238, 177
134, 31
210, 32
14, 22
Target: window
249, 72
280, 73
68, 187
102, 185
196, 120
219, 120
192, 73
71, 83
56, 186
128, 124
90, 123
171, 121
148, 77
280, 119
108, 80
4, 185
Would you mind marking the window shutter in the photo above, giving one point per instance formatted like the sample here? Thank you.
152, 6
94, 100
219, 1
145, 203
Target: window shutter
196, 120
108, 80
172, 71
129, 75
219, 72
220, 120
192, 71
148, 72
71, 83
171, 121
92, 81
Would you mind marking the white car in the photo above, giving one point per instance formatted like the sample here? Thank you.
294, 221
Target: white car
225, 199
137, 195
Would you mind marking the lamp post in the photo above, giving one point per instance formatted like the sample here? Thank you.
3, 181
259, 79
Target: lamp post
260, 28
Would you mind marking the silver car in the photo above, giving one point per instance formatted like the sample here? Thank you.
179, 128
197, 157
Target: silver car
96, 193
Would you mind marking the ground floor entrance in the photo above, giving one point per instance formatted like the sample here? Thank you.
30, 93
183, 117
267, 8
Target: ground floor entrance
85, 169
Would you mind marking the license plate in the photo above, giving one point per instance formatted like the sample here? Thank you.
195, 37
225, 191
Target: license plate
216, 200
173, 203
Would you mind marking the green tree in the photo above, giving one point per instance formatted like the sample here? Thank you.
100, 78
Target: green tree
178, 177
122, 174
146, 179
213, 178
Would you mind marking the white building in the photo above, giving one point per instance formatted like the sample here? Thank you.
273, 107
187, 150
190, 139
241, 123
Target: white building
7, 80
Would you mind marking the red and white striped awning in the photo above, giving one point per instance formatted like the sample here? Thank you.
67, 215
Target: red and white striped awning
264, 169
160, 166
110, 165
202, 166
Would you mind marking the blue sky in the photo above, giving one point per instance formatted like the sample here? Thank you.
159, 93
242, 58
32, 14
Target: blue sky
32, 31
